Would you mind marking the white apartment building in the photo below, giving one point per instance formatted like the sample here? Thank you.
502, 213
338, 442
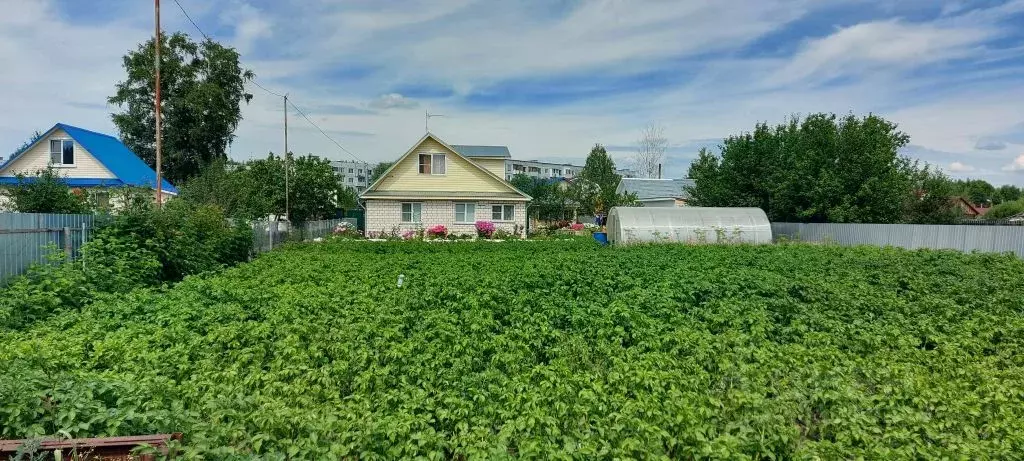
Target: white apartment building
353, 174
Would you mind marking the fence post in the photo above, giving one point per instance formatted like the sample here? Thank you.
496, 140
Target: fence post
85, 230
271, 230
67, 243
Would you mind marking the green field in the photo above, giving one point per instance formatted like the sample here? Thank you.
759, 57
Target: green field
545, 350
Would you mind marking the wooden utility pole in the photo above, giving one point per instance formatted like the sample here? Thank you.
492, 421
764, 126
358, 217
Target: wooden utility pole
159, 180
287, 216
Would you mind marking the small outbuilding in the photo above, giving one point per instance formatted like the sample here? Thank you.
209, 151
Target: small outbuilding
688, 225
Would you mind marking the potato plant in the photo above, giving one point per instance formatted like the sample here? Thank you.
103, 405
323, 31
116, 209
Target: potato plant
551, 350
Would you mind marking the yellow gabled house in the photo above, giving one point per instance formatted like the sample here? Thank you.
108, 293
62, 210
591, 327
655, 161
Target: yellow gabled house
433, 183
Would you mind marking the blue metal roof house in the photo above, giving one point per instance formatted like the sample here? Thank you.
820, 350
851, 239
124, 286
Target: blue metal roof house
86, 159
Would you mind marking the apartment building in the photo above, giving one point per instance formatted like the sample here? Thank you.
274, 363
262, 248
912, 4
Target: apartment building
539, 169
353, 174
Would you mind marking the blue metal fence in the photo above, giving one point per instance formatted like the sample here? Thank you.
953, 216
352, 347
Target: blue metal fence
30, 238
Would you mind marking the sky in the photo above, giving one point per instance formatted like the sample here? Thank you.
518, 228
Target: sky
550, 78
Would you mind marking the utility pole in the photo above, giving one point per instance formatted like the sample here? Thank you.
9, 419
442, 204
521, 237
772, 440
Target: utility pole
159, 180
287, 217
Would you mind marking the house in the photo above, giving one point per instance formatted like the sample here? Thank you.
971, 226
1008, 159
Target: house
970, 210
88, 160
656, 192
433, 183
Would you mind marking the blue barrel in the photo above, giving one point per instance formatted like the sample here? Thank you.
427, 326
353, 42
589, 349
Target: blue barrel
601, 237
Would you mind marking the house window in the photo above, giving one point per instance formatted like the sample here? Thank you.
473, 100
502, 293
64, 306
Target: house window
465, 212
411, 212
360, 171
432, 164
62, 152
503, 212
350, 180
349, 171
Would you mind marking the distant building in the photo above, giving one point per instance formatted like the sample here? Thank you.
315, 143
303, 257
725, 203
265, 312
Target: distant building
656, 192
353, 174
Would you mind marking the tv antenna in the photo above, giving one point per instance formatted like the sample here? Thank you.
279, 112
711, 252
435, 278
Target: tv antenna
426, 120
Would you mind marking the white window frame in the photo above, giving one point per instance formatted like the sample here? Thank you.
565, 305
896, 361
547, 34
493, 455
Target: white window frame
433, 163
63, 141
510, 217
465, 213
415, 211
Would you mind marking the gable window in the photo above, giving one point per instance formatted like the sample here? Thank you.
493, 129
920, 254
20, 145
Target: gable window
411, 212
432, 164
465, 212
62, 152
503, 212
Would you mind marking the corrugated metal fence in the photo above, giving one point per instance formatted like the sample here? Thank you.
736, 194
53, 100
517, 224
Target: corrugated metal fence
997, 239
28, 238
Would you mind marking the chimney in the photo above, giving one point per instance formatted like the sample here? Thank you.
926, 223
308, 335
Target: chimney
659, 171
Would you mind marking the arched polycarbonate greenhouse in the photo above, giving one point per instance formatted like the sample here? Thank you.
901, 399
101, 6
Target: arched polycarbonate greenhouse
688, 224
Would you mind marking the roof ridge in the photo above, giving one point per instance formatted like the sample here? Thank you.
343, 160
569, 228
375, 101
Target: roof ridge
66, 126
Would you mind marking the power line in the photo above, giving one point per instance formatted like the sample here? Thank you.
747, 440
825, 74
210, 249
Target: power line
254, 82
190, 20
336, 143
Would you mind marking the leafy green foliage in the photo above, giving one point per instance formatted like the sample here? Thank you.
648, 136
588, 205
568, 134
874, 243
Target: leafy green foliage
545, 350
552, 200
818, 169
599, 170
379, 170
141, 247
45, 192
1005, 210
256, 189
202, 85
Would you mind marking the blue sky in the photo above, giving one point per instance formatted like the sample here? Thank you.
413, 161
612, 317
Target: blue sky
549, 78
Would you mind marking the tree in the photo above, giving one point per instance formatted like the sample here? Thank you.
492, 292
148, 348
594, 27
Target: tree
650, 151
379, 170
818, 169
932, 201
202, 86
255, 189
1005, 210
550, 200
1008, 193
599, 169
45, 192
977, 191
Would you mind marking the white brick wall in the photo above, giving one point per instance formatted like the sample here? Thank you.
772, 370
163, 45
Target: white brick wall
385, 215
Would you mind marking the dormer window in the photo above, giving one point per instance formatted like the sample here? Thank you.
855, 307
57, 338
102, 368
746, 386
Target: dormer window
432, 164
62, 152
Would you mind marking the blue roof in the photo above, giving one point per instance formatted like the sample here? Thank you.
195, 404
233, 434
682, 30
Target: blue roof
482, 151
127, 167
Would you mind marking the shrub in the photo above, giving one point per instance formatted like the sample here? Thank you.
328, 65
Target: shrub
576, 226
438, 231
484, 229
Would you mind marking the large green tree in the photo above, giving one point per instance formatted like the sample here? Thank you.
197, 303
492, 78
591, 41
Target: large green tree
202, 86
379, 170
599, 170
256, 189
821, 168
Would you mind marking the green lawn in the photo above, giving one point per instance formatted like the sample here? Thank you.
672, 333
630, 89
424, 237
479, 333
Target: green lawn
546, 350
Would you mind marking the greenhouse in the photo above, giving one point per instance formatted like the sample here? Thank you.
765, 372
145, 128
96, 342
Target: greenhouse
688, 224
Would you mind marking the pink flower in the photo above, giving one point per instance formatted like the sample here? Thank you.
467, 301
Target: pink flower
408, 235
484, 229
437, 231
576, 226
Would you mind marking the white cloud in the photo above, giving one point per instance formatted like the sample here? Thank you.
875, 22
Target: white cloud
958, 167
249, 24
393, 101
1016, 165
881, 45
